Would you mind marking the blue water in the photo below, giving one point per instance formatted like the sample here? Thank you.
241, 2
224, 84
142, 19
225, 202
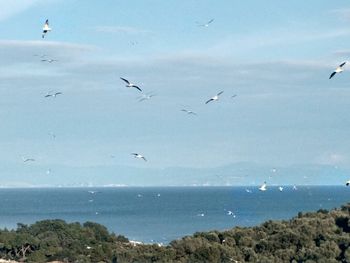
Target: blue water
164, 214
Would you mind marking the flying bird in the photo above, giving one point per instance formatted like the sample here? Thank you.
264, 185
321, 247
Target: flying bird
230, 213
52, 135
49, 60
46, 28
189, 112
206, 24
28, 159
130, 85
347, 183
53, 95
280, 188
146, 97
263, 187
215, 98
233, 96
339, 69
136, 155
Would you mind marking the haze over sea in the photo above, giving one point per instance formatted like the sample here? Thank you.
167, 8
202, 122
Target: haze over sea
162, 214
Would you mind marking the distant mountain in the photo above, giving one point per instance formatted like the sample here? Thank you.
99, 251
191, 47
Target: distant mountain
236, 174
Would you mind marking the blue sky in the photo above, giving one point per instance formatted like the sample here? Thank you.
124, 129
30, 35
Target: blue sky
276, 56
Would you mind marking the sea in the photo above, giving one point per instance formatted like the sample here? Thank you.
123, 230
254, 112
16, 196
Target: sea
162, 214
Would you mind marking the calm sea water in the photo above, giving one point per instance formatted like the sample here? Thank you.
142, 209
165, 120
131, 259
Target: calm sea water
164, 214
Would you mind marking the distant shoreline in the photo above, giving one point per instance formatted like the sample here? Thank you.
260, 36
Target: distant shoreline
167, 186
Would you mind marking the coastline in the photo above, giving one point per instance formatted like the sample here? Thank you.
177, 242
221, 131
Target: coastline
322, 236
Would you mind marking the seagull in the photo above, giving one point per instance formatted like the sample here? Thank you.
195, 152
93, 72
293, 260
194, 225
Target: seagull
206, 24
280, 188
146, 97
130, 85
46, 28
230, 213
189, 112
28, 159
52, 135
38, 55
201, 214
215, 98
136, 155
53, 95
295, 188
93, 192
248, 191
347, 183
339, 69
49, 60
233, 96
263, 187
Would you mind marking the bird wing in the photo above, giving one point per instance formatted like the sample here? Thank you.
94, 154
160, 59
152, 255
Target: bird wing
209, 101
210, 21
342, 64
48, 95
331, 76
135, 154
234, 96
144, 159
219, 93
125, 80
58, 93
47, 22
136, 87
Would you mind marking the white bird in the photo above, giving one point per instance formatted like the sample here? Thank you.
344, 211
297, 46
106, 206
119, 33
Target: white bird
207, 23
263, 187
230, 213
130, 85
201, 214
146, 97
295, 188
92, 192
248, 191
52, 135
189, 112
28, 159
339, 69
347, 183
136, 155
215, 98
280, 188
46, 28
49, 60
53, 94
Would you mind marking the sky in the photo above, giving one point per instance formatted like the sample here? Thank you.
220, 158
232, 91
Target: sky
275, 56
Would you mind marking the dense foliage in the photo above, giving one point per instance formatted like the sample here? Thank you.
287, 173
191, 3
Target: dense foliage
311, 237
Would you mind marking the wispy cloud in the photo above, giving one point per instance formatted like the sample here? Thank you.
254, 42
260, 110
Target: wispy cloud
121, 29
343, 13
